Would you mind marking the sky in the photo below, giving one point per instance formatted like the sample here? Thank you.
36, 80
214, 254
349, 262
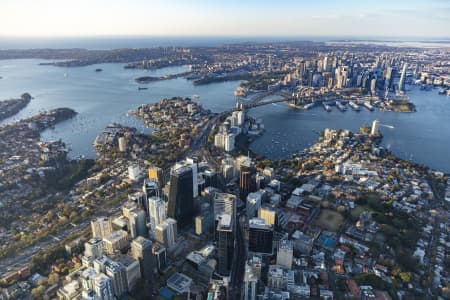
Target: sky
340, 18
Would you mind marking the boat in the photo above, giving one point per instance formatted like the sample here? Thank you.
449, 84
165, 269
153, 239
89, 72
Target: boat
326, 107
368, 105
308, 106
142, 88
196, 96
341, 106
442, 91
98, 70
354, 106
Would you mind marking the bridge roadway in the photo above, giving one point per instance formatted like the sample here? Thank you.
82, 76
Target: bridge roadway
282, 96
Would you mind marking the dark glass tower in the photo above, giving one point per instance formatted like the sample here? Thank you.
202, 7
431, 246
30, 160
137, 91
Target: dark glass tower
260, 236
247, 181
181, 201
225, 244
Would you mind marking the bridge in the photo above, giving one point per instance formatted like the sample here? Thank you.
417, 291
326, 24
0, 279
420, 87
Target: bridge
278, 96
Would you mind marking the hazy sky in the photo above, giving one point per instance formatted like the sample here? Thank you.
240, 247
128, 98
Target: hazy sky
393, 18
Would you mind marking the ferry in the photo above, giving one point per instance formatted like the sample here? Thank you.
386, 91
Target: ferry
308, 106
326, 107
341, 106
368, 105
354, 106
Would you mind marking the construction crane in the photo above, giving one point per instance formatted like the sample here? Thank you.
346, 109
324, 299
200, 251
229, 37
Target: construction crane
376, 124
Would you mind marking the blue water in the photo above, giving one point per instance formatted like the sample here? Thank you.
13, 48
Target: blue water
100, 98
105, 97
137, 41
114, 42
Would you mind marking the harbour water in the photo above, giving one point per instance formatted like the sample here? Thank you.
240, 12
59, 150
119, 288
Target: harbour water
101, 98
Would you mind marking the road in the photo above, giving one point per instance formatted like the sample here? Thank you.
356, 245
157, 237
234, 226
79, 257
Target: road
239, 259
19, 260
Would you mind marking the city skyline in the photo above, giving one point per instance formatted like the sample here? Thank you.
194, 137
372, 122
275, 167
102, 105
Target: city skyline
50, 18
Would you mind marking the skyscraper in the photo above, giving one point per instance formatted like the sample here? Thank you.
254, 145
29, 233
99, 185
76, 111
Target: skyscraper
401, 83
156, 211
260, 236
101, 227
193, 163
137, 222
181, 201
225, 244
103, 287
156, 174
141, 249
118, 277
250, 281
159, 254
166, 232
151, 188
285, 253
247, 180
93, 248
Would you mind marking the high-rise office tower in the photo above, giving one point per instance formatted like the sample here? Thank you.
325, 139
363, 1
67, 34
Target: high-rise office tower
132, 270
166, 232
401, 83
156, 174
250, 281
247, 180
181, 201
137, 222
101, 227
103, 287
193, 163
260, 236
268, 215
160, 257
285, 253
115, 241
93, 248
210, 178
156, 211
225, 244
253, 204
151, 188
141, 249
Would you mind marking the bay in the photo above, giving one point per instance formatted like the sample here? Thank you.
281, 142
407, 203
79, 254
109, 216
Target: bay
101, 98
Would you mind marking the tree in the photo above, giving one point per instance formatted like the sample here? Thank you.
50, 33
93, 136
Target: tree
53, 278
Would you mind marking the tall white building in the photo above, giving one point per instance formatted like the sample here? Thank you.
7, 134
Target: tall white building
401, 83
156, 211
93, 248
166, 233
194, 166
101, 227
285, 253
134, 172
224, 204
250, 281
137, 222
374, 129
103, 287
253, 204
